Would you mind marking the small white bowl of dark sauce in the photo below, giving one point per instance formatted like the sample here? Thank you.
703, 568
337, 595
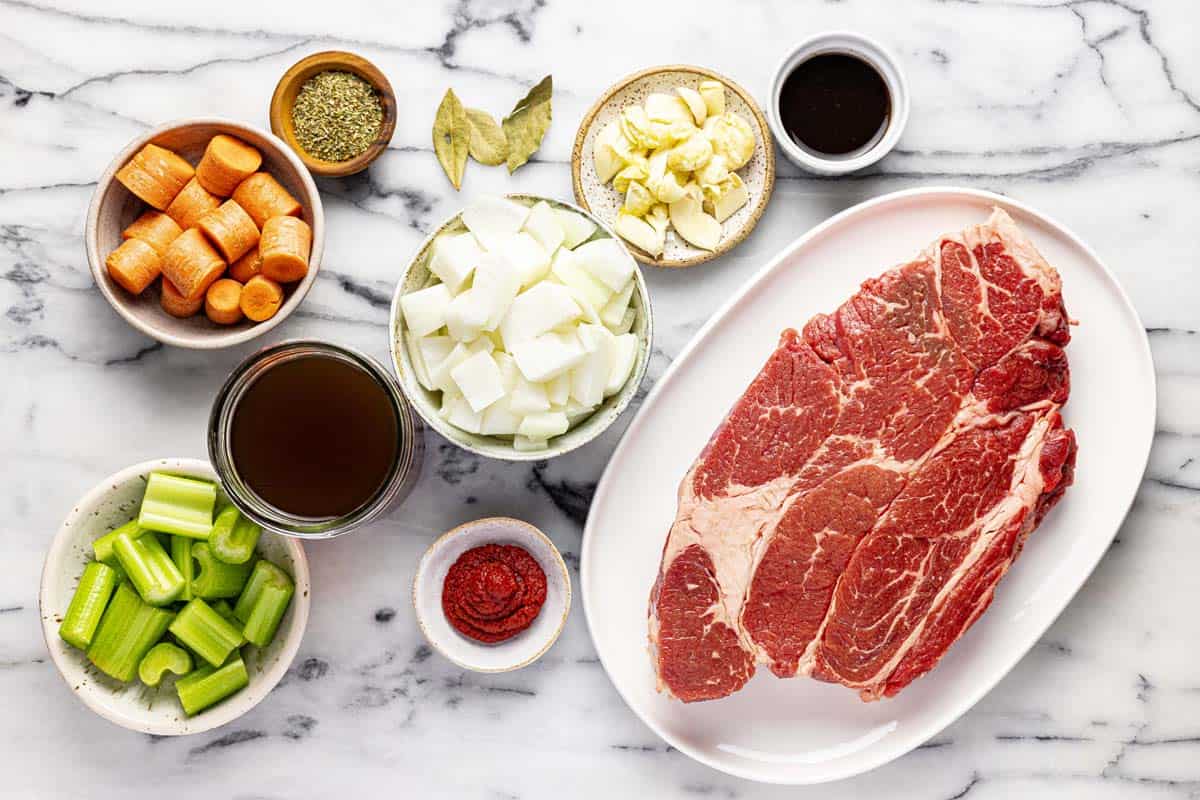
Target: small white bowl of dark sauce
839, 102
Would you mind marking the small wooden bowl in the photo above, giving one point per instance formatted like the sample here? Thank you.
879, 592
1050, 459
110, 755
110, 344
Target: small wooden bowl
289, 86
604, 201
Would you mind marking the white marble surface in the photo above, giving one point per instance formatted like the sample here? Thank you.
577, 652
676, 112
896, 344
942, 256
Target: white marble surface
1089, 109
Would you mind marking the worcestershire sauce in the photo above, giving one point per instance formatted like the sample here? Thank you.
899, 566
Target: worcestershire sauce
834, 104
314, 436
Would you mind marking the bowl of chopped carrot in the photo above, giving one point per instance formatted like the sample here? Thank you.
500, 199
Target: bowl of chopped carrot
205, 233
166, 611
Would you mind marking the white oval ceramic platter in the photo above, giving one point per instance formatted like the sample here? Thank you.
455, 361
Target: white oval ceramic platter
802, 731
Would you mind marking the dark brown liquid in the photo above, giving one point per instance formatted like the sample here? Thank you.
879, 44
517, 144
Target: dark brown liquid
834, 104
314, 436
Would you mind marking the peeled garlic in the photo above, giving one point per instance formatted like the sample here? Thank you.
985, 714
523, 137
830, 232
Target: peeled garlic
696, 227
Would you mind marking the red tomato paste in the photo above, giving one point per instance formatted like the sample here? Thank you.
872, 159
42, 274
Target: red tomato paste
493, 592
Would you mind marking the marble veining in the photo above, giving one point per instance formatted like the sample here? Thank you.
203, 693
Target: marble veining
1088, 109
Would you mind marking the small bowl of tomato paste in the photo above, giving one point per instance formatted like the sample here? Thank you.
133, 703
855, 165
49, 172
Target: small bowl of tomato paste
492, 595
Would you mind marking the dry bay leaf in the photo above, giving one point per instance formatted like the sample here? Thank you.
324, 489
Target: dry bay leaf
488, 144
452, 137
527, 124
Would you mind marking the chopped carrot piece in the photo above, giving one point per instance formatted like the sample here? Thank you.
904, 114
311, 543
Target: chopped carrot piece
230, 229
285, 246
261, 298
156, 175
176, 304
247, 266
192, 264
134, 265
222, 302
264, 197
155, 229
192, 203
226, 162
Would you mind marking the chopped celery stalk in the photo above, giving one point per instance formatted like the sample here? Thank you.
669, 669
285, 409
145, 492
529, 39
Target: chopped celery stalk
206, 686
128, 629
150, 569
179, 506
206, 632
264, 572
181, 554
163, 657
214, 578
267, 612
96, 586
223, 608
103, 547
233, 536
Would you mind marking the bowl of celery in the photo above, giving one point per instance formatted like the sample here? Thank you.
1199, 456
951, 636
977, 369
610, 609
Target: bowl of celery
164, 609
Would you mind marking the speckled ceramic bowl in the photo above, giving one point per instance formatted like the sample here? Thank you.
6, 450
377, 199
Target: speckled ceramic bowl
417, 276
114, 207
524, 648
604, 201
111, 503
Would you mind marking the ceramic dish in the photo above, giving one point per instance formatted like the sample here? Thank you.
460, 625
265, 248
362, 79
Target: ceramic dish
604, 201
289, 86
868, 50
417, 276
113, 502
524, 648
114, 207
801, 730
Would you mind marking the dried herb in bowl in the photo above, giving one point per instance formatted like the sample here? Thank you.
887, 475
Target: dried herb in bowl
336, 115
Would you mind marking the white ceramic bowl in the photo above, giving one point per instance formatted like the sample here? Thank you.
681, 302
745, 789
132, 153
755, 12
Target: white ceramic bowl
524, 648
114, 207
113, 502
870, 51
427, 403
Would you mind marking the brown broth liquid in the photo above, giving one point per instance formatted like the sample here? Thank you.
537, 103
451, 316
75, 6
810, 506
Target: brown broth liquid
834, 104
314, 436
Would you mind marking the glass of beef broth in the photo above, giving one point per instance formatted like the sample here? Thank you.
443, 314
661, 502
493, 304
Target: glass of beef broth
313, 440
839, 103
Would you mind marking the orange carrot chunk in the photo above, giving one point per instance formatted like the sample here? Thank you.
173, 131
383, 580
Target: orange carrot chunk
192, 264
176, 304
230, 229
226, 163
246, 267
285, 246
261, 298
222, 302
192, 203
155, 229
156, 175
134, 265
264, 197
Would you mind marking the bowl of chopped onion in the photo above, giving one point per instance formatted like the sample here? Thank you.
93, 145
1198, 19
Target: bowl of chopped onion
164, 611
522, 328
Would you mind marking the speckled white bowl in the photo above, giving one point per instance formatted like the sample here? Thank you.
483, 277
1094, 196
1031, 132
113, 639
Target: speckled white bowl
114, 207
604, 201
524, 648
417, 276
113, 502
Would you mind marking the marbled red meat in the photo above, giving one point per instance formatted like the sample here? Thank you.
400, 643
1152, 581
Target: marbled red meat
853, 514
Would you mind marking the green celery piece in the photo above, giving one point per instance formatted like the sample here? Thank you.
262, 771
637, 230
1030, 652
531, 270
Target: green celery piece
181, 554
128, 629
268, 610
233, 536
223, 608
214, 578
96, 586
150, 569
163, 657
207, 685
177, 505
206, 632
264, 573
103, 547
